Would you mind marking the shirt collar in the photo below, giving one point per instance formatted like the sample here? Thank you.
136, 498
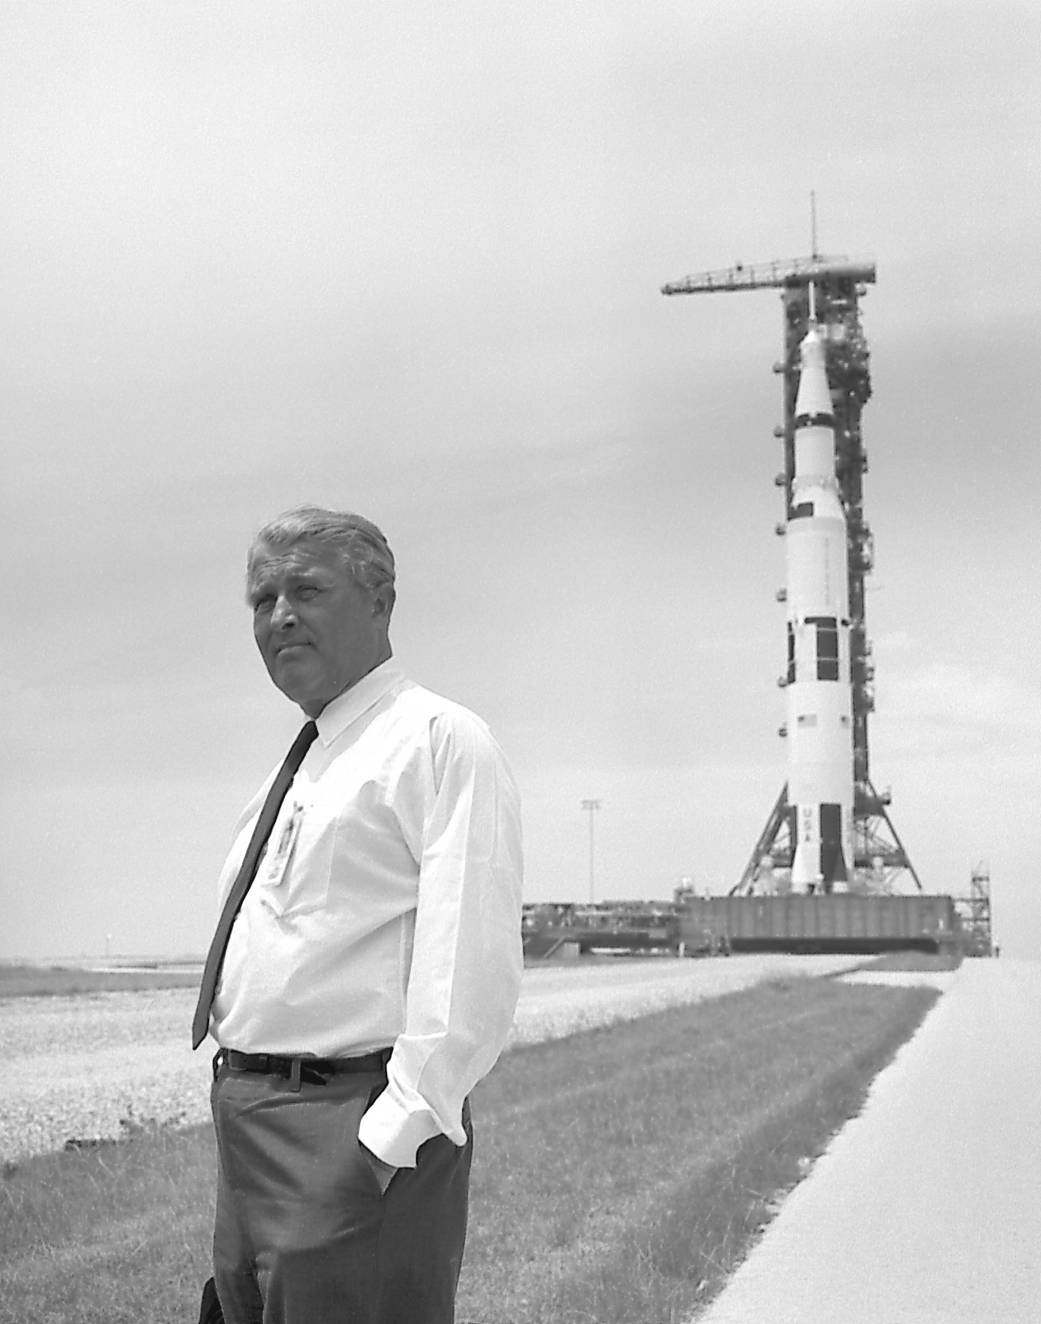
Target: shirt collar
339, 713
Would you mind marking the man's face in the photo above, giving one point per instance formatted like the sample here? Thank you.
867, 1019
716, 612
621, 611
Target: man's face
317, 630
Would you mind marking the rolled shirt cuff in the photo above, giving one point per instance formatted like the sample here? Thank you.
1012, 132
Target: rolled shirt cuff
394, 1133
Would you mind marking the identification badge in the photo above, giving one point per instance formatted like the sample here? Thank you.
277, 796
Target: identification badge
277, 864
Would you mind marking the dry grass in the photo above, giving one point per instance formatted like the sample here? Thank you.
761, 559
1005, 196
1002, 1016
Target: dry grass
77, 1065
116, 1233
619, 1176
628, 1177
28, 981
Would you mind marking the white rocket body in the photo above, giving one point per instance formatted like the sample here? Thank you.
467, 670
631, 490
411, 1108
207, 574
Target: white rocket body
819, 722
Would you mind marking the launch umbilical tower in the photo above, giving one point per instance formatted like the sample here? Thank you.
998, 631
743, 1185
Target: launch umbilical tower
839, 283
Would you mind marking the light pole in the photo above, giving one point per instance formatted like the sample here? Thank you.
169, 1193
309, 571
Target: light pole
590, 807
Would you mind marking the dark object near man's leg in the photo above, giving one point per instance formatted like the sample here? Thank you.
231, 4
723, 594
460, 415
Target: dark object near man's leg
210, 1311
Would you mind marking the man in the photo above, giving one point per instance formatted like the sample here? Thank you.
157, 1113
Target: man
371, 971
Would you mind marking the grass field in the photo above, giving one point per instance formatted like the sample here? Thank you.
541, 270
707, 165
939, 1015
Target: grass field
22, 980
620, 1174
27, 981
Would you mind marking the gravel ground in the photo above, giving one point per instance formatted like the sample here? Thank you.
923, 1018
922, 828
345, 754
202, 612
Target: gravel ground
98, 1066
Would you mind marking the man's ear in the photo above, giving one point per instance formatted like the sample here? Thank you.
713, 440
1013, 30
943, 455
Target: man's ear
383, 601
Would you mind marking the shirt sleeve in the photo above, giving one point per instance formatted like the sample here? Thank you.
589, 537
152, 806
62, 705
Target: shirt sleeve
467, 956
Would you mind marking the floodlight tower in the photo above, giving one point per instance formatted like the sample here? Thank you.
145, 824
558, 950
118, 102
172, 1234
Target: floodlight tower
879, 857
591, 807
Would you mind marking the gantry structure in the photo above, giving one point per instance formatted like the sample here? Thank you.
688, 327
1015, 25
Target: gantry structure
974, 912
880, 860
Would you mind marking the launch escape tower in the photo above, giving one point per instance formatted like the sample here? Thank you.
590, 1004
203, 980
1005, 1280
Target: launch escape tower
879, 858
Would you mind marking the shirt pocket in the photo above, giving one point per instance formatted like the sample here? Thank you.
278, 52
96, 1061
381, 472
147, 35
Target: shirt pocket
293, 875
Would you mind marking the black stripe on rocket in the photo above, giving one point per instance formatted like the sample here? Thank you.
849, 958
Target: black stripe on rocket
832, 859
826, 651
833, 862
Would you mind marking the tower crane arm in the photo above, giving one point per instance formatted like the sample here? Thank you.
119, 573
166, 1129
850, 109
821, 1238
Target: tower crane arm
782, 272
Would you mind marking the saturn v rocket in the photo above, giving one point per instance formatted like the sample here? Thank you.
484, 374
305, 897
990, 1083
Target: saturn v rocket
819, 721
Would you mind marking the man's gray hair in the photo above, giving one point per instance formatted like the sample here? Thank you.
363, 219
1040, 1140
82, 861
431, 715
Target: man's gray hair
362, 547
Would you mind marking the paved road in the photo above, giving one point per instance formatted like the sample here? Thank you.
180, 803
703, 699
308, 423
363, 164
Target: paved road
927, 1207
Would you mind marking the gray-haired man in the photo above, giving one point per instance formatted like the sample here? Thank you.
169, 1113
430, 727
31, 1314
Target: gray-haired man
371, 971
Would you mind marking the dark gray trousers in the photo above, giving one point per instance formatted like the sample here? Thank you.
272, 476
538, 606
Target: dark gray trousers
302, 1234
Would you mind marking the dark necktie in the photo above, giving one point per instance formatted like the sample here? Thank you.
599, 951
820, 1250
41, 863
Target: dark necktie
246, 874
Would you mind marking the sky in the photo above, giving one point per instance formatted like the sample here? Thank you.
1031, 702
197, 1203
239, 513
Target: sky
406, 259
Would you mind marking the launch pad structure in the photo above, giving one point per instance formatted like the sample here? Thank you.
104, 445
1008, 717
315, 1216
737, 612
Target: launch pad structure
793, 896
879, 858
974, 913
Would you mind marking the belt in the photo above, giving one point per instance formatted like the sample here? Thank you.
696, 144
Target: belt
315, 1070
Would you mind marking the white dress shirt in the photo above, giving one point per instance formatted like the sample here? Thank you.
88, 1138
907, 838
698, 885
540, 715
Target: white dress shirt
386, 909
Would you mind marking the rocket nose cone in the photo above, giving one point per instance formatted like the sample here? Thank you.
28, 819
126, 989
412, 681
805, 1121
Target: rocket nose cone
813, 396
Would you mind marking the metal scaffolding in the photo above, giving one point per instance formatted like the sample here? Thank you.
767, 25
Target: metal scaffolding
974, 912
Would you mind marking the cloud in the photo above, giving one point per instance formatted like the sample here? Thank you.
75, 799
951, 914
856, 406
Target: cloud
895, 641
957, 706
